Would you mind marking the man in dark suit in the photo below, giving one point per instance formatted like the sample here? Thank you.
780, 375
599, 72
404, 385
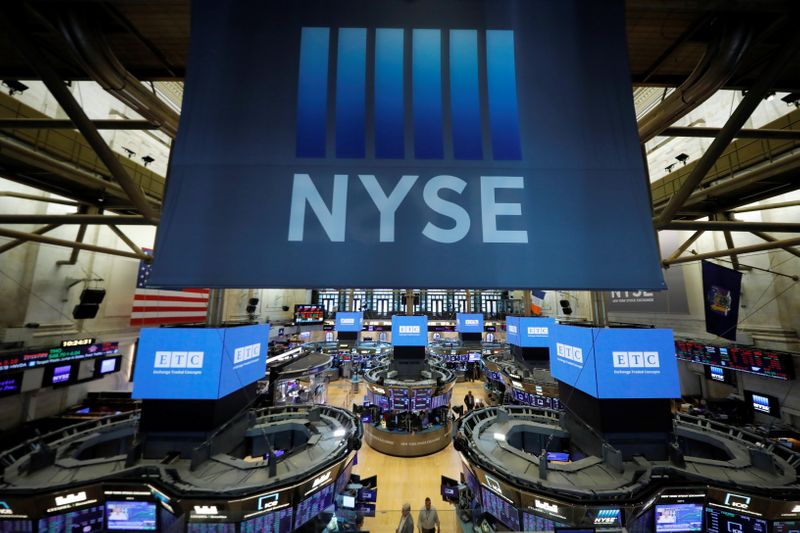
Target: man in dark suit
469, 401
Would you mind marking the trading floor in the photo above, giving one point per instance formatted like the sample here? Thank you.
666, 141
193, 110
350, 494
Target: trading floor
406, 479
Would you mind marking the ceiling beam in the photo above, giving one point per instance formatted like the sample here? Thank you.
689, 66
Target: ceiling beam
108, 220
777, 205
738, 225
51, 123
789, 135
21, 235
733, 251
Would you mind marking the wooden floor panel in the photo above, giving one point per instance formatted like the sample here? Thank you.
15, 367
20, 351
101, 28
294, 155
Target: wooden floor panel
402, 479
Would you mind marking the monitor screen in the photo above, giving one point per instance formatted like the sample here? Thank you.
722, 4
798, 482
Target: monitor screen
718, 521
608, 517
210, 527
500, 509
763, 403
348, 502
574, 530
366, 418
400, 400
131, 515
365, 509
368, 495
531, 522
562, 457
472, 482
786, 527
313, 505
108, 365
274, 522
87, 520
10, 384
61, 374
474, 357
16, 526
309, 314
679, 517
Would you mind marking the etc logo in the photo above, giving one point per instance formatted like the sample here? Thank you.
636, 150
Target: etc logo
538, 331
408, 330
737, 500
178, 360
635, 359
471, 322
512, 329
572, 353
246, 353
387, 92
347, 321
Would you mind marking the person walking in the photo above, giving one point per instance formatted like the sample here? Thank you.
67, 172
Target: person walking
428, 521
406, 522
469, 401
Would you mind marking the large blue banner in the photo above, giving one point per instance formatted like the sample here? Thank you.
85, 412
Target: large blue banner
409, 330
378, 132
722, 288
616, 363
349, 321
512, 330
469, 322
534, 332
198, 363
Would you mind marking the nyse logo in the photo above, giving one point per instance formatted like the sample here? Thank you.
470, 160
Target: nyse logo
408, 330
246, 353
572, 353
179, 360
545, 506
347, 321
471, 322
737, 500
71, 498
321, 480
512, 329
635, 359
536, 331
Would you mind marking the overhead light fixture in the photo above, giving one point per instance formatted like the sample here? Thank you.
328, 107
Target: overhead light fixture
770, 97
682, 157
128, 151
668, 168
147, 160
15, 86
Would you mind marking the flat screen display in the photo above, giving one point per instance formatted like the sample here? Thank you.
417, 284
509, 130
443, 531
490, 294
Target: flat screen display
10, 384
679, 517
421, 400
786, 527
531, 522
472, 482
368, 495
61, 374
108, 365
131, 515
344, 478
25, 359
365, 509
274, 522
400, 400
474, 357
558, 456
767, 363
763, 403
16, 526
210, 527
348, 502
718, 521
309, 314
500, 509
88, 520
366, 418
314, 505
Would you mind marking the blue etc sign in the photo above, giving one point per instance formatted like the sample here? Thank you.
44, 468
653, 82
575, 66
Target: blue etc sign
198, 364
409, 330
382, 131
349, 321
469, 322
616, 363
512, 330
534, 332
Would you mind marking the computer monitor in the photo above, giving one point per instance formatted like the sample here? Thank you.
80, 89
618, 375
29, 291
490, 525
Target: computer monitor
348, 502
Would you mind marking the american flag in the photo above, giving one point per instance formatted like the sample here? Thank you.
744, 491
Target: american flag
152, 307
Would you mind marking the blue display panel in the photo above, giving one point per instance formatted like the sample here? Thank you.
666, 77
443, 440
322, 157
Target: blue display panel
210, 527
500, 509
534, 332
469, 322
616, 363
16, 526
409, 330
421, 400
351, 322
512, 330
274, 522
400, 400
726, 522
131, 515
198, 364
314, 505
679, 517
88, 520
572, 358
532, 522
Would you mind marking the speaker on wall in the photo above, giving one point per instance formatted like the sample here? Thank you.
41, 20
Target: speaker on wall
251, 305
93, 296
565, 308
89, 304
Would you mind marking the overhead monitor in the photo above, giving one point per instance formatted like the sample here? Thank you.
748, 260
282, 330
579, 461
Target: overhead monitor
764, 404
719, 521
131, 515
349, 322
305, 314
469, 322
679, 518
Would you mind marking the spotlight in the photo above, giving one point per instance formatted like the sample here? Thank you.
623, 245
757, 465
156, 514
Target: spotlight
15, 86
147, 160
770, 97
128, 151
792, 99
668, 168
682, 158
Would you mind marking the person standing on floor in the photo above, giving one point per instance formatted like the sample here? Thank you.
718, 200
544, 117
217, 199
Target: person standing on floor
428, 521
406, 522
469, 401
